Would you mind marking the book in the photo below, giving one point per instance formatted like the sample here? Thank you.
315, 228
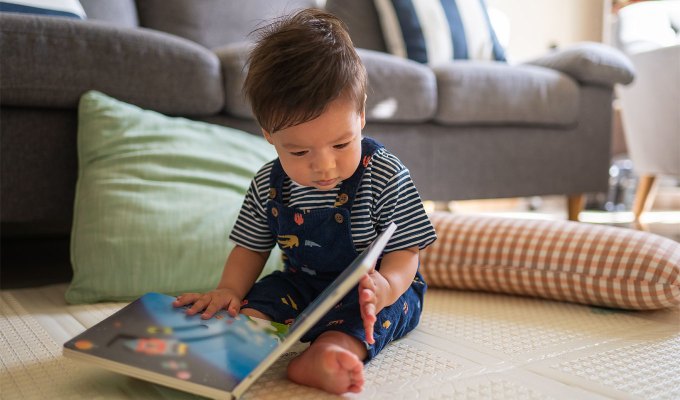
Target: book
220, 357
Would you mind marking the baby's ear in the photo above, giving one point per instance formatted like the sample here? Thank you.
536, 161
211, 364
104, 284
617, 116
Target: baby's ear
267, 136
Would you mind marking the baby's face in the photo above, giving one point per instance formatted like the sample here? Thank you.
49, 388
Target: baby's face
324, 151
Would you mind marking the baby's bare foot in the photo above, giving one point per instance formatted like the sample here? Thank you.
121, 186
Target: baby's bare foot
329, 367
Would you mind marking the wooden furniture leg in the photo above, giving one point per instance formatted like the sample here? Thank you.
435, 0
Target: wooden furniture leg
644, 195
575, 204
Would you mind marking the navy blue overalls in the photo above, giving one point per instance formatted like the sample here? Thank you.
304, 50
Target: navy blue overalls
317, 245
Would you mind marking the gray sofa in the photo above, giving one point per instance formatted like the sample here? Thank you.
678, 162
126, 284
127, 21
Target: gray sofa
466, 130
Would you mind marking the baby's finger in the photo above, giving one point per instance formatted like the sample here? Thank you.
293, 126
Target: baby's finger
212, 308
233, 307
184, 299
368, 315
200, 304
367, 282
367, 296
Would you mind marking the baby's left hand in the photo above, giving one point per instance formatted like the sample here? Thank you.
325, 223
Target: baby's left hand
370, 290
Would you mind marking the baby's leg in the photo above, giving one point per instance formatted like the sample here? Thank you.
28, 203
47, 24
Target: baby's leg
333, 362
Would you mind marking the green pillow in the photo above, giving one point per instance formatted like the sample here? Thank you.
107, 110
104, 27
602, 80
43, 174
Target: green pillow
156, 199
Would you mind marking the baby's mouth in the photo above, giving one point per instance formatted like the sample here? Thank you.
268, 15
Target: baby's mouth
326, 182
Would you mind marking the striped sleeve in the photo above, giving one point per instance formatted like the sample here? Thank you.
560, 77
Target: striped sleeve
398, 201
251, 229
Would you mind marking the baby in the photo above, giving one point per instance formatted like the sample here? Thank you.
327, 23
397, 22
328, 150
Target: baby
323, 200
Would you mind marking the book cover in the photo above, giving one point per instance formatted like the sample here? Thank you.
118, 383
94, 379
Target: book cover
151, 336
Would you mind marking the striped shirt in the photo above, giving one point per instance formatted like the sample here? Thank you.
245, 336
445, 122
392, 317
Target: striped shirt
386, 194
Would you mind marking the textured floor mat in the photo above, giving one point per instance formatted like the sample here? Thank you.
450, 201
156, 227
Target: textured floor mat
468, 346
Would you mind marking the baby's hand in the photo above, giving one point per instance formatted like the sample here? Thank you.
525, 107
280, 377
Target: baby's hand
211, 302
369, 300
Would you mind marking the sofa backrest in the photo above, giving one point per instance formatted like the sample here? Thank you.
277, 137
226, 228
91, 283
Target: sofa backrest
213, 23
362, 21
117, 12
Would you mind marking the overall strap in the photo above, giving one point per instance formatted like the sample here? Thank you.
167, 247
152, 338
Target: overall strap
350, 186
276, 177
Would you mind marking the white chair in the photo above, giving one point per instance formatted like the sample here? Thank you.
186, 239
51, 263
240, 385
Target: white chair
649, 32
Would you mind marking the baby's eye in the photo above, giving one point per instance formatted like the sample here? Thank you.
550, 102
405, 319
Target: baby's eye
341, 146
299, 153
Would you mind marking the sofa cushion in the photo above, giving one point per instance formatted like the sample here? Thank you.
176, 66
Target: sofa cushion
156, 199
399, 90
436, 31
233, 58
51, 62
213, 23
119, 12
51, 8
495, 93
559, 260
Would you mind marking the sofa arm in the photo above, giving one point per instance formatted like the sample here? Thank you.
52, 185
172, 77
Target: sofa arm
590, 63
51, 62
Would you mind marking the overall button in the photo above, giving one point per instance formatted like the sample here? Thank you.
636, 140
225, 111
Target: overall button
272, 193
275, 211
339, 218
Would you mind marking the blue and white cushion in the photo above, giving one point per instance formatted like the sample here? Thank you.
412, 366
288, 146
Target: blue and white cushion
60, 8
437, 31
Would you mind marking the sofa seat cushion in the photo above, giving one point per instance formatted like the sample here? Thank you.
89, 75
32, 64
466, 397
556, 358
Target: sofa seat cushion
473, 92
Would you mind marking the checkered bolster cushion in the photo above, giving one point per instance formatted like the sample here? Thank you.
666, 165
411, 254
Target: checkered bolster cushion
560, 260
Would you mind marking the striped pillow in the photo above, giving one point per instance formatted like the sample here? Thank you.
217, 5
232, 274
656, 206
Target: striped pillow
560, 260
437, 31
58, 8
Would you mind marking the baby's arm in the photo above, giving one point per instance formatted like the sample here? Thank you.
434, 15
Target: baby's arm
379, 289
241, 270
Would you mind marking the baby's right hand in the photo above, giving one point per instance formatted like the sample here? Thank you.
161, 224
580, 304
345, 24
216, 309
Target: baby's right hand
211, 302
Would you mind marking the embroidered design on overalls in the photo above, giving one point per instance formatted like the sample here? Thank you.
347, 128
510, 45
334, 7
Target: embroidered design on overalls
288, 241
289, 302
309, 243
342, 199
387, 324
298, 219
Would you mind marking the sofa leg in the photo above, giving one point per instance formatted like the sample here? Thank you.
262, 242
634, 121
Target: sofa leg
575, 204
644, 195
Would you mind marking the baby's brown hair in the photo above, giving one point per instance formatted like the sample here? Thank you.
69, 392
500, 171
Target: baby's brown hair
301, 63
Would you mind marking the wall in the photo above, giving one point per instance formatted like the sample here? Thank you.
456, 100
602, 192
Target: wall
535, 25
